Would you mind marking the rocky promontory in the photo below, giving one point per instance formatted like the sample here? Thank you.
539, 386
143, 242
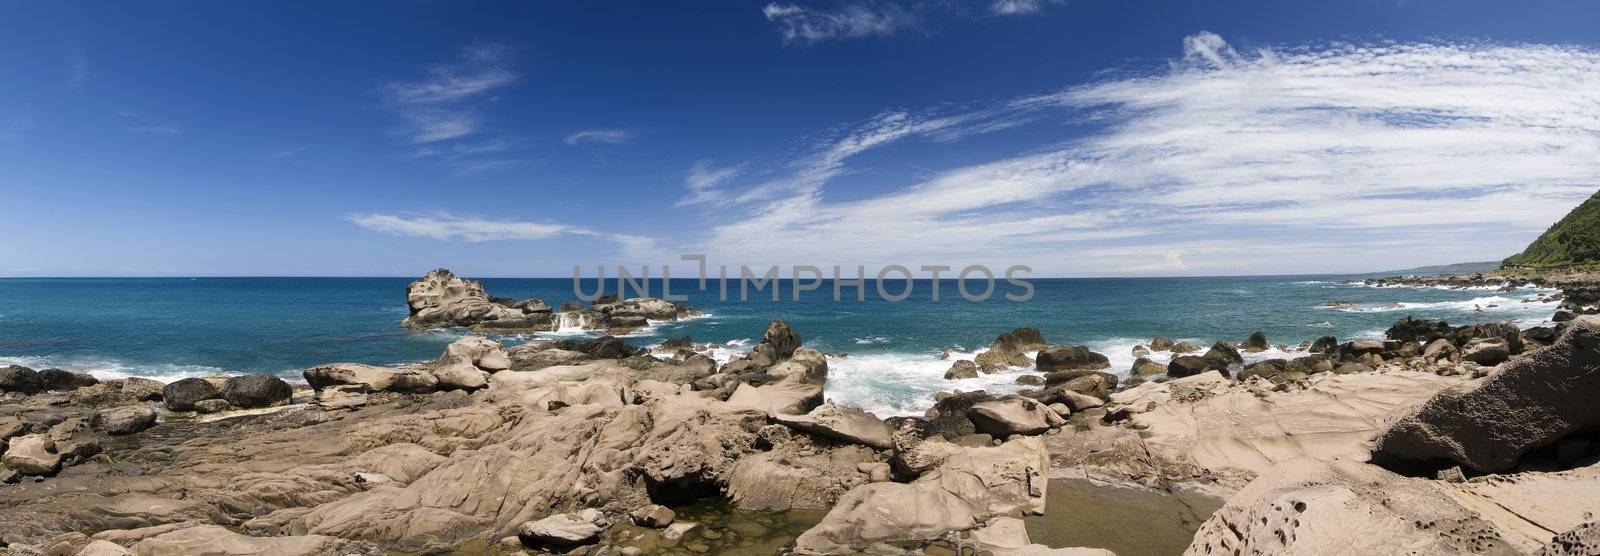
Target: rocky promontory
440, 299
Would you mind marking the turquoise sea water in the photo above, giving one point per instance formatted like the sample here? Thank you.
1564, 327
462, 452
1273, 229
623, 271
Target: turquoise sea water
886, 354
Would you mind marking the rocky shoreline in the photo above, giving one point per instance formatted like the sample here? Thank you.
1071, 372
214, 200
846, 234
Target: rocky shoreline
1443, 439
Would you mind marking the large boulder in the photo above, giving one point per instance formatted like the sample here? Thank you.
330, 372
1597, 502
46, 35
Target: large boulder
16, 378
1191, 365
215, 540
57, 379
477, 351
1023, 339
1003, 418
1256, 342
181, 395
1533, 401
1069, 358
252, 391
441, 299
564, 531
371, 377
841, 423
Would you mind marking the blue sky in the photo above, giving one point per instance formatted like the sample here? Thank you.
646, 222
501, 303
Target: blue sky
1082, 138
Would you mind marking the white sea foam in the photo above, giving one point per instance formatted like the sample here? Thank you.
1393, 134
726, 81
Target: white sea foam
872, 341
903, 384
1485, 304
109, 369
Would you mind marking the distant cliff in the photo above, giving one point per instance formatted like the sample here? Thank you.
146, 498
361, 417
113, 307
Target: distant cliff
1574, 240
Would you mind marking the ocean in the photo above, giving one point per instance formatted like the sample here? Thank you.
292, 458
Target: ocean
884, 357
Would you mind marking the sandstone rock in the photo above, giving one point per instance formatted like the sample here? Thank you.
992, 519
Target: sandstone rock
1078, 402
1311, 507
1225, 354
1161, 343
562, 531
948, 416
1069, 358
1184, 347
1583, 540
1532, 402
1013, 416
440, 299
778, 399
1355, 348
341, 397
31, 454
476, 351
998, 359
371, 377
213, 540
1020, 340
970, 486
127, 419
646, 308
654, 516
842, 423
103, 548
253, 391
962, 369
460, 375
181, 395
804, 365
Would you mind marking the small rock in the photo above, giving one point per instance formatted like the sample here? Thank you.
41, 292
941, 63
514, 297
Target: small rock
653, 515
211, 406
127, 419
564, 531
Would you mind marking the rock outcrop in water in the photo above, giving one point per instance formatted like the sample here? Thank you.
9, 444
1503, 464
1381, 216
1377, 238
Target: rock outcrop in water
441, 299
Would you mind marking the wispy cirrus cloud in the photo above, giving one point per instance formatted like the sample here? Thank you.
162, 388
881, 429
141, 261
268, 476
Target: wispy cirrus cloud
703, 180
141, 124
441, 106
445, 227
1016, 7
287, 153
804, 24
607, 136
1349, 156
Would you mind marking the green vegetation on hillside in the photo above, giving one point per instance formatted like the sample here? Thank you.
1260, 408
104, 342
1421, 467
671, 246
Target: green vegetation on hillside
1574, 240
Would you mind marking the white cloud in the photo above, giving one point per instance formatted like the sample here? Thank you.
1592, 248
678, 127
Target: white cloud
608, 136
703, 179
1015, 7
1334, 157
290, 153
146, 126
808, 25
446, 227
440, 106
